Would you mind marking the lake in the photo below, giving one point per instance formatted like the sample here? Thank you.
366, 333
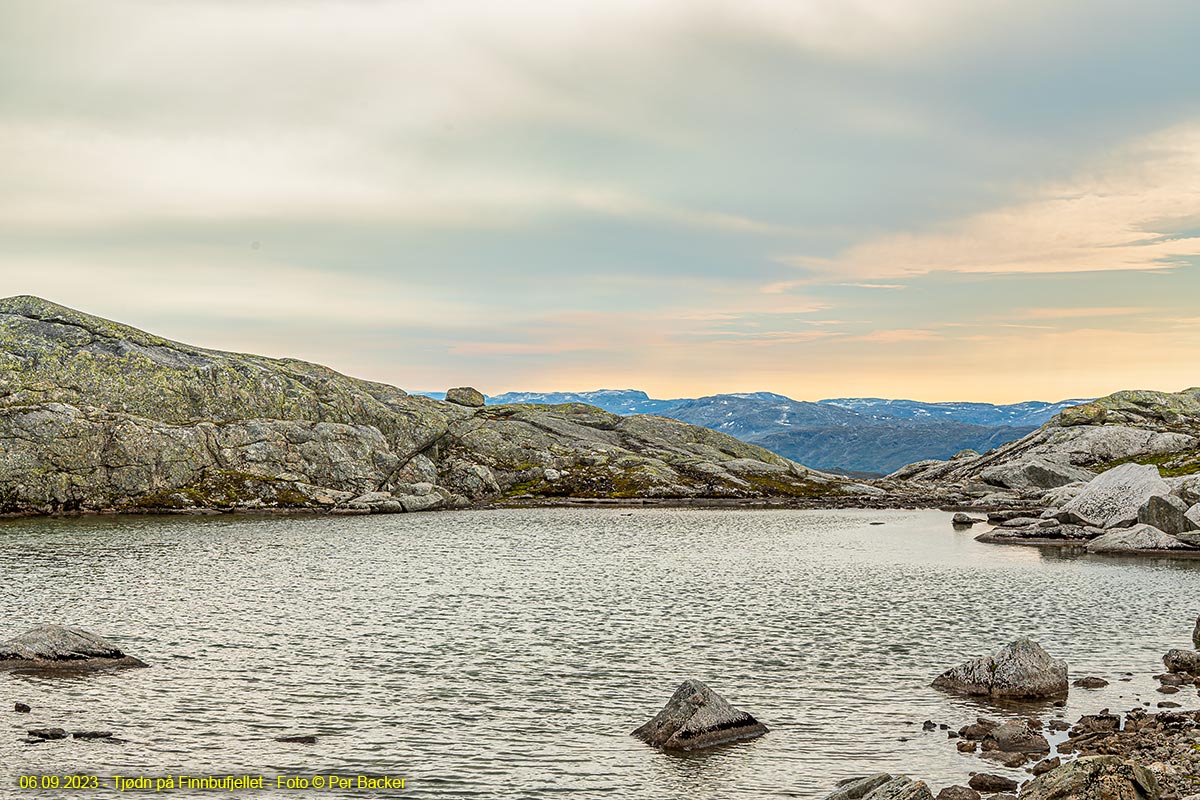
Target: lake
509, 653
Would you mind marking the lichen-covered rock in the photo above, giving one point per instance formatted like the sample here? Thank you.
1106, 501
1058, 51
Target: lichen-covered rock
58, 646
465, 396
1136, 539
98, 416
1094, 778
1113, 498
1015, 736
697, 717
857, 788
1168, 513
1021, 669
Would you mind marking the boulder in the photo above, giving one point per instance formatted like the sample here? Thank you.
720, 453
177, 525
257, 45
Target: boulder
1167, 513
57, 646
696, 717
965, 520
1021, 669
1113, 498
1193, 515
990, 784
958, 793
1182, 661
465, 396
1187, 488
1015, 736
900, 788
1034, 473
857, 788
1135, 539
1063, 494
1094, 778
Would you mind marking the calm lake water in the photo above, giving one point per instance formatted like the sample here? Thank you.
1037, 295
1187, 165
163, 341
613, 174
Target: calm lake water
509, 653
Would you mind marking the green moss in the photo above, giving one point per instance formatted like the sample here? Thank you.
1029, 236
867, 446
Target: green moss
227, 489
1170, 465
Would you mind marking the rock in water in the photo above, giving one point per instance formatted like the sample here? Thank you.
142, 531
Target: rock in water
1196, 634
965, 519
696, 717
1182, 661
1019, 670
465, 396
882, 787
1015, 736
1139, 537
1094, 778
1167, 513
63, 647
1112, 499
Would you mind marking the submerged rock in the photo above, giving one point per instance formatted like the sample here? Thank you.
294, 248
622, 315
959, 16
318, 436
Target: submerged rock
1094, 778
1090, 682
1196, 634
696, 717
1021, 669
1113, 499
1137, 538
47, 733
988, 784
298, 739
57, 646
21, 708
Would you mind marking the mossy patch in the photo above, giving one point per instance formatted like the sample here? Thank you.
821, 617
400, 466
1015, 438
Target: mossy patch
227, 489
1170, 465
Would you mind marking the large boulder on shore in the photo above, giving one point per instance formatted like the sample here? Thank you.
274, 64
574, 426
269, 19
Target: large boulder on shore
697, 717
1021, 669
1168, 513
1113, 498
57, 646
1094, 778
1136, 539
1034, 473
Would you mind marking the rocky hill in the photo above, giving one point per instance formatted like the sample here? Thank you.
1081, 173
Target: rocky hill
99, 416
1142, 427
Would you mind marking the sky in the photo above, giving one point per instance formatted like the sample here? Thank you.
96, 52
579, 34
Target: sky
929, 199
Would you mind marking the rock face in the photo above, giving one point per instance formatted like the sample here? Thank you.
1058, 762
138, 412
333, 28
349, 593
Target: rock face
98, 416
465, 396
1114, 498
697, 717
1094, 778
56, 646
1125, 425
1135, 539
1019, 670
1167, 513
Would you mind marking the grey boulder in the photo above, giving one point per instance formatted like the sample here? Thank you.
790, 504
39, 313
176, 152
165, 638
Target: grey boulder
1113, 498
1094, 778
697, 717
465, 396
1015, 736
1167, 513
57, 646
1034, 473
1135, 539
965, 520
1021, 669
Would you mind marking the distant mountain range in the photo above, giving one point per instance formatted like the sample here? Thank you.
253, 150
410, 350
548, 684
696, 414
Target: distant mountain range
854, 435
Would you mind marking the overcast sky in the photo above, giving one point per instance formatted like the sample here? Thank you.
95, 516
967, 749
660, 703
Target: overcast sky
933, 199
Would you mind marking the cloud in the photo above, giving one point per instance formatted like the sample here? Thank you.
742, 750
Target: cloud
1119, 216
